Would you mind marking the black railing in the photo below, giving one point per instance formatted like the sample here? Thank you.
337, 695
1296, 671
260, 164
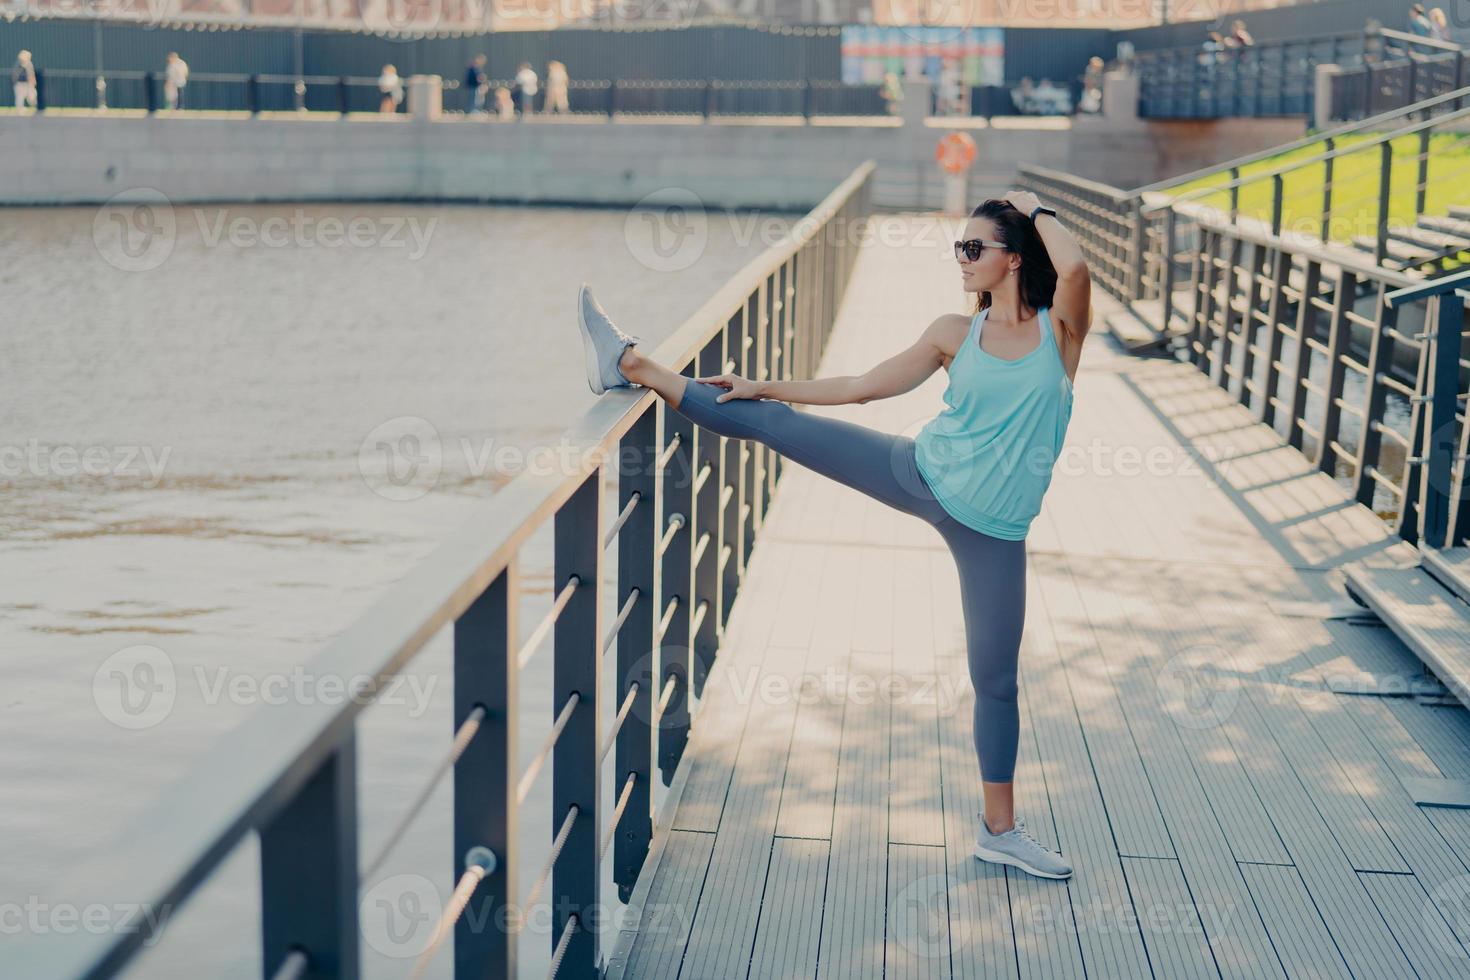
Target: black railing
707, 97
1270, 78
1308, 340
689, 508
1396, 70
216, 92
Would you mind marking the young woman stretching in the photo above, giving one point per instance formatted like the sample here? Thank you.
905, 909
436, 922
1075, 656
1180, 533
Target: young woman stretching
977, 472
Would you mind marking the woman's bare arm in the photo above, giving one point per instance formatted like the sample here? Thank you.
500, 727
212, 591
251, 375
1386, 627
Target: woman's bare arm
902, 372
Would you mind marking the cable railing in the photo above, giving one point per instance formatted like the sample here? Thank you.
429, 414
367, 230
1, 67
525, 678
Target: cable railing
1324, 210
691, 505
1126, 235
1319, 364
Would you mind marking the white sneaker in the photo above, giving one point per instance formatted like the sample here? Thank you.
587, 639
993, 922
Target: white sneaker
603, 344
1019, 849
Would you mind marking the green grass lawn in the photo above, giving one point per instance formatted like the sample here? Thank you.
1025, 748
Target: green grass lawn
1356, 176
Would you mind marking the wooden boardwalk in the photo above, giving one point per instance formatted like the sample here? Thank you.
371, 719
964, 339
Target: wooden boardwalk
1226, 813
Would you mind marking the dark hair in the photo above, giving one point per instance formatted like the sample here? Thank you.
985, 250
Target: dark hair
1018, 234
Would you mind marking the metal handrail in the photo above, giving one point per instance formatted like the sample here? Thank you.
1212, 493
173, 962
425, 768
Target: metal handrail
289, 772
1295, 165
1346, 129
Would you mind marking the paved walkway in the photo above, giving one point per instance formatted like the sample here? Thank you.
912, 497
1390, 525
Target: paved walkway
1225, 813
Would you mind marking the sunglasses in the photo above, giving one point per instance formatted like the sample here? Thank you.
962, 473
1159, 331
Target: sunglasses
973, 248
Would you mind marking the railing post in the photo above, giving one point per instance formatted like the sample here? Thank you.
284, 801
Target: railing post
637, 653
1338, 332
683, 522
486, 811
252, 95
342, 95
576, 775
1327, 167
1306, 319
1166, 288
1439, 427
709, 97
1135, 271
308, 872
1277, 185
1370, 439
806, 100
40, 90
1422, 182
1234, 193
1385, 182
728, 468
612, 98
150, 97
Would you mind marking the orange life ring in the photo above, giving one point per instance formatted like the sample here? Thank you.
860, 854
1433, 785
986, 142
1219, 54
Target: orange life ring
955, 152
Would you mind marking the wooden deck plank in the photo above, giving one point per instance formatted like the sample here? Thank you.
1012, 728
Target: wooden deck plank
807, 796
1172, 925
918, 914
1083, 697
791, 911
723, 933
672, 902
1428, 940
724, 706
1360, 933
1274, 712
1042, 910
1085, 788
853, 917
1174, 757
1297, 932
981, 943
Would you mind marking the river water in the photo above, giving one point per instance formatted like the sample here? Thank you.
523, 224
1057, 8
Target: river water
202, 412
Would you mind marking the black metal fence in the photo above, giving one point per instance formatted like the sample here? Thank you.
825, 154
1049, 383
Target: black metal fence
689, 508
1275, 78
1396, 70
708, 97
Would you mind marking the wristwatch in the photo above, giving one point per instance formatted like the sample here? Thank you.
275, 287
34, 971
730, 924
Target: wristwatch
1041, 209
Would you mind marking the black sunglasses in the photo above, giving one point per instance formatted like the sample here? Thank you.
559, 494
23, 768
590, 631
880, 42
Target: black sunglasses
973, 248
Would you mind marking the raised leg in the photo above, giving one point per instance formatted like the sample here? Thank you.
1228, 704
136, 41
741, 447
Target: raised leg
876, 463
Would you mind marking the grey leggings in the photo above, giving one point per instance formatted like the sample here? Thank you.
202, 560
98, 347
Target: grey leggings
992, 570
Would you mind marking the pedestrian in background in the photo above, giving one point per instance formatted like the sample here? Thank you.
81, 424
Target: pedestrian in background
891, 93
23, 81
556, 88
391, 88
477, 85
175, 77
1439, 24
525, 89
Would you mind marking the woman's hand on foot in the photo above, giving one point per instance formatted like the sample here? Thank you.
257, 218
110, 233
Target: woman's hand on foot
735, 385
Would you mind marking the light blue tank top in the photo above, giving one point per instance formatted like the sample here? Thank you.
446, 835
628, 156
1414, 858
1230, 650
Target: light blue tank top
988, 456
